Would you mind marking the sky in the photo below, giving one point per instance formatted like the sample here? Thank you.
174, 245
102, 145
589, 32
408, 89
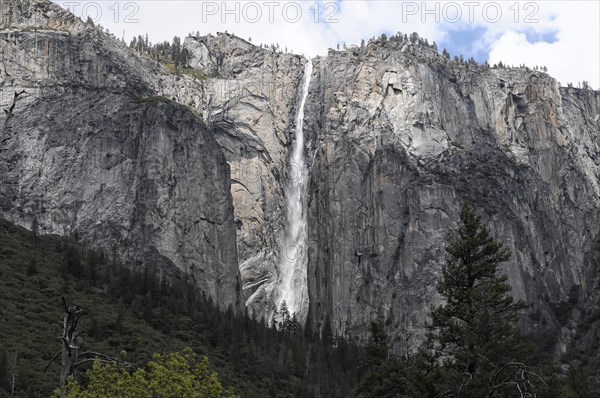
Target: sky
564, 35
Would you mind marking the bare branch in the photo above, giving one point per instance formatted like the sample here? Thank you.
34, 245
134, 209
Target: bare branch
65, 304
112, 362
107, 357
51, 360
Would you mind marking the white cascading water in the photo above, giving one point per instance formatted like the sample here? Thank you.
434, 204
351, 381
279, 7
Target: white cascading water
293, 287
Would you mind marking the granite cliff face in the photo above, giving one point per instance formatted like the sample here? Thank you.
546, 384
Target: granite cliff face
190, 169
250, 100
90, 150
401, 138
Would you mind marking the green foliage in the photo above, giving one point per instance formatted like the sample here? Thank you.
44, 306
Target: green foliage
373, 364
289, 324
390, 376
476, 336
582, 381
173, 375
474, 347
72, 263
196, 74
139, 313
175, 57
32, 267
376, 351
3, 369
327, 332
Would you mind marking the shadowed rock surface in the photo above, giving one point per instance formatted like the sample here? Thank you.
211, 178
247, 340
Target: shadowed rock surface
401, 138
92, 151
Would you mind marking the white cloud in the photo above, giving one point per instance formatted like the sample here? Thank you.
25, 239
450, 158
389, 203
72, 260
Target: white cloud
575, 56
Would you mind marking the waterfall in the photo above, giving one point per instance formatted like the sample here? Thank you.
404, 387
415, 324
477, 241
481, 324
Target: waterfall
293, 287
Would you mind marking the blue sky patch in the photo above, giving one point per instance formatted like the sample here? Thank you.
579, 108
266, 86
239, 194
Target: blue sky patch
466, 42
535, 37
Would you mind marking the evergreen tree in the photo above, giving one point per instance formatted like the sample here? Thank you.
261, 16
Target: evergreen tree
476, 337
176, 51
284, 317
327, 332
72, 263
295, 327
32, 267
142, 312
120, 317
173, 375
92, 266
184, 57
373, 364
3, 369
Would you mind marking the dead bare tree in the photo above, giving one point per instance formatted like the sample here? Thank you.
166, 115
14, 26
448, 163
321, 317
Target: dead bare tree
70, 357
14, 375
526, 382
70, 340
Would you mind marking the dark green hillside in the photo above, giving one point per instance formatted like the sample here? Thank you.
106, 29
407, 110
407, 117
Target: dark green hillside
132, 315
